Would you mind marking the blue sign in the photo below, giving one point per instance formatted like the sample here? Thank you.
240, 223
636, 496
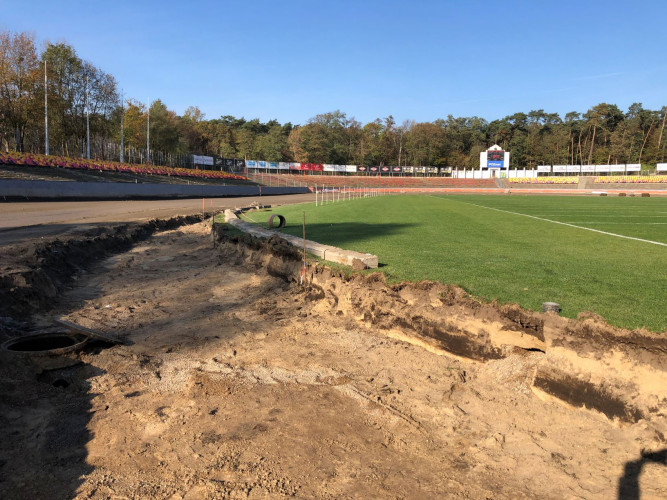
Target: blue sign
495, 164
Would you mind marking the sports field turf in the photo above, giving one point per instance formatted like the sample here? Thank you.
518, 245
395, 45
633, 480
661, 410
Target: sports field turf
524, 249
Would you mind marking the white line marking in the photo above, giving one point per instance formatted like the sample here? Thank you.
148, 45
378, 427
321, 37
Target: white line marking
566, 224
619, 223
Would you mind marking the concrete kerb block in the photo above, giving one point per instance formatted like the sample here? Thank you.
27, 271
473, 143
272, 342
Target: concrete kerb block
324, 252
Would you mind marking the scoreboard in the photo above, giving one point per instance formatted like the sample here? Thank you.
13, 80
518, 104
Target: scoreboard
495, 155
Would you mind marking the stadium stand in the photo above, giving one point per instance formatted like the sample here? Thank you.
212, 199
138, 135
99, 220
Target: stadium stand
631, 179
44, 161
544, 180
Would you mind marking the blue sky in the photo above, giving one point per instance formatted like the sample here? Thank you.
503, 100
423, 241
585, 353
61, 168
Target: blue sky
419, 60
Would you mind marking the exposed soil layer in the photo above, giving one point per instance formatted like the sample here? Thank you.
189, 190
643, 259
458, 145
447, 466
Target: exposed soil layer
235, 380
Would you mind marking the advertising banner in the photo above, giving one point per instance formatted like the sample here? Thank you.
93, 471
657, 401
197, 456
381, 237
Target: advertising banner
362, 168
273, 164
420, 170
573, 169
408, 170
329, 168
396, 170
261, 164
495, 164
616, 168
544, 168
373, 169
661, 167
385, 170
239, 165
283, 165
350, 168
558, 169
306, 166
432, 170
602, 168
202, 160
587, 169
295, 166
633, 167
339, 168
251, 164
446, 170
318, 167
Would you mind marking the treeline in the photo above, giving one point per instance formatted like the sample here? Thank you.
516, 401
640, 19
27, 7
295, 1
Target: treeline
76, 88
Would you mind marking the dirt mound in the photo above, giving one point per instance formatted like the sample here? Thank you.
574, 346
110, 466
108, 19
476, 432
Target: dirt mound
586, 362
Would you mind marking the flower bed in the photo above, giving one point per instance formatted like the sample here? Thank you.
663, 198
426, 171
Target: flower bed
544, 180
631, 179
36, 160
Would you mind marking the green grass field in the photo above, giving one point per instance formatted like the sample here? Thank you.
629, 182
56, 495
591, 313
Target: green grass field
500, 247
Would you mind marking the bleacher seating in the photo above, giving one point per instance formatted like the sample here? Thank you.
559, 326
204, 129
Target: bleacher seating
544, 180
631, 179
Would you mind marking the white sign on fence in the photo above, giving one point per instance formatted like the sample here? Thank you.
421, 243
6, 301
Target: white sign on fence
661, 167
573, 169
633, 167
202, 160
544, 168
560, 168
588, 168
602, 168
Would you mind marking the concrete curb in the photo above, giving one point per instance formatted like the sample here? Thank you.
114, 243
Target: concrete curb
324, 252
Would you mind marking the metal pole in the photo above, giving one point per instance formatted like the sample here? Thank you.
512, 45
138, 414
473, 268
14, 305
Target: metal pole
122, 131
87, 122
148, 133
46, 112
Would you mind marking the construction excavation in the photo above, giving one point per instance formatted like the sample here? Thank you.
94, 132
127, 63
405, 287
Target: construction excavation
171, 359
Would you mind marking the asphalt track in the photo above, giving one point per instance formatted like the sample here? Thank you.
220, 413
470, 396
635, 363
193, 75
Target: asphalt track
24, 221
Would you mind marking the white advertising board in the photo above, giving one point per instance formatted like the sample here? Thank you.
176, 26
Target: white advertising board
573, 169
327, 167
544, 168
633, 167
587, 168
283, 165
350, 168
602, 168
661, 167
617, 168
202, 160
560, 169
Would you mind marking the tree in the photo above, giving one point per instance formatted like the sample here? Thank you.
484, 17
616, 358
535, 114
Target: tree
19, 72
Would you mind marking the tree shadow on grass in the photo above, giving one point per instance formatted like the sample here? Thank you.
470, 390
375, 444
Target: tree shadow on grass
347, 234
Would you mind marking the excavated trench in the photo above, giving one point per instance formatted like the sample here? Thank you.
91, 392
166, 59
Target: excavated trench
34, 275
585, 363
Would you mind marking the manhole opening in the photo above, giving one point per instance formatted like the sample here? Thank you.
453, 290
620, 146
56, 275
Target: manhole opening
42, 343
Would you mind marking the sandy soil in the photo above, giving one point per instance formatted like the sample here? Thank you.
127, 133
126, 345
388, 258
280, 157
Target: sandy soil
234, 381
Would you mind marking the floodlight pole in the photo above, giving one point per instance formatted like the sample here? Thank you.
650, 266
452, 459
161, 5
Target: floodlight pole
87, 122
122, 132
148, 133
46, 112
